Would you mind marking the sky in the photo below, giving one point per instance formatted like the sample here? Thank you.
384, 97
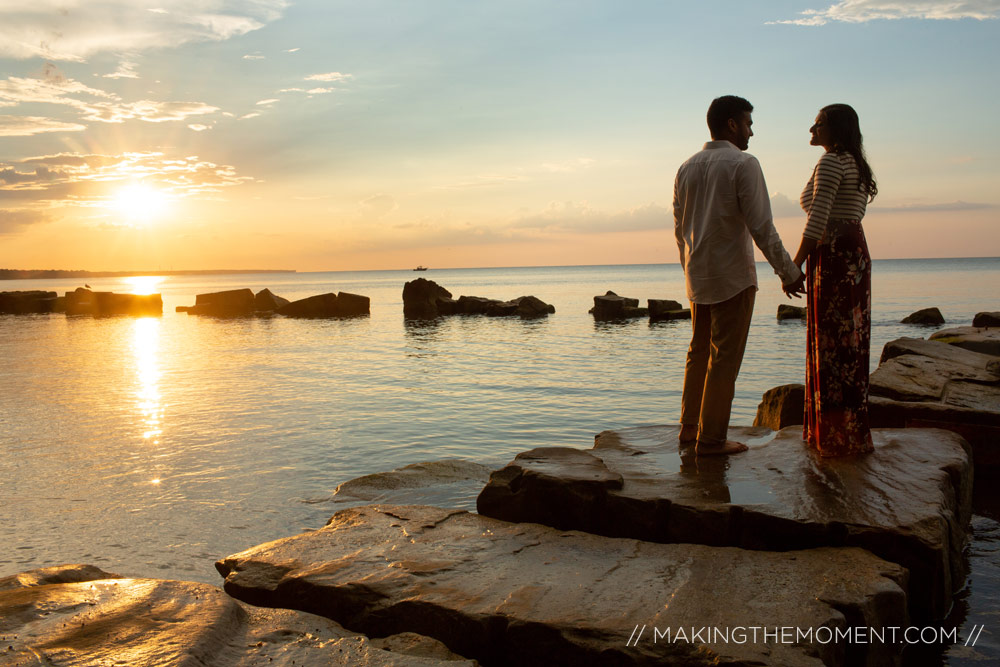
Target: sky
324, 135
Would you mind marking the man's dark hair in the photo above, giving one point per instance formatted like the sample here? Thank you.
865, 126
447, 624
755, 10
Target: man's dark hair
722, 109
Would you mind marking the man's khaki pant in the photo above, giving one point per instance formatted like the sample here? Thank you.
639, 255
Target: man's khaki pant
718, 341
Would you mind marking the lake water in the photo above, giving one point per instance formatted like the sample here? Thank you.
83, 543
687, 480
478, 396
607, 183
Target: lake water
154, 446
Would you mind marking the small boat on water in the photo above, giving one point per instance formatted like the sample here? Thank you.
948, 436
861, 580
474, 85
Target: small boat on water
420, 268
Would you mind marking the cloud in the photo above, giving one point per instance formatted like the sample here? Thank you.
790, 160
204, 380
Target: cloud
378, 206
12, 220
126, 70
93, 104
73, 30
783, 206
26, 126
933, 208
70, 179
862, 11
268, 102
198, 127
253, 56
329, 76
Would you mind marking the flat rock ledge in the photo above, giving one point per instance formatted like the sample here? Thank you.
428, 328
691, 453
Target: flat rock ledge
526, 594
927, 383
978, 339
80, 616
908, 502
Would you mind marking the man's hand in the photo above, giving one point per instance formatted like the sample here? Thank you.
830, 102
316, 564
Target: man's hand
795, 288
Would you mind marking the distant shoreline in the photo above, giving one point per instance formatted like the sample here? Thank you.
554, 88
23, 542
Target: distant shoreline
47, 274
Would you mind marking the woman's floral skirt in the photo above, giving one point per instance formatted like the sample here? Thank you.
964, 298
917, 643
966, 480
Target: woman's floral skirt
839, 337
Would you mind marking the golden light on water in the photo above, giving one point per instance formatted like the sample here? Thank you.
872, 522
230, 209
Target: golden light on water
146, 348
144, 284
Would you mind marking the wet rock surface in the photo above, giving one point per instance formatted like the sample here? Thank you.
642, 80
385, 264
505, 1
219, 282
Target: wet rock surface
80, 616
908, 502
928, 383
978, 339
455, 481
528, 594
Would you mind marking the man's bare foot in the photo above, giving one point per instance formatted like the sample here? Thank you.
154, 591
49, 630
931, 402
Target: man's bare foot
688, 434
728, 447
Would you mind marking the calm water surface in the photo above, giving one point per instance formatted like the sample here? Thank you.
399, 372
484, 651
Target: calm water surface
154, 446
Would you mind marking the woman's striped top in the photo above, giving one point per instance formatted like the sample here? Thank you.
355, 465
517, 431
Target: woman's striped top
832, 193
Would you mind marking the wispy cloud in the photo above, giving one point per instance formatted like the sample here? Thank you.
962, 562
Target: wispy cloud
12, 220
126, 70
70, 179
862, 11
73, 30
93, 104
581, 217
782, 206
329, 76
26, 126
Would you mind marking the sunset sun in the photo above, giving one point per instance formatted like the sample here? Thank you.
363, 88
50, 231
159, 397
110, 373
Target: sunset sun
139, 203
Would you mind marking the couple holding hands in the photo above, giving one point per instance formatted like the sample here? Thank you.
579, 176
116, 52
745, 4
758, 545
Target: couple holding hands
721, 207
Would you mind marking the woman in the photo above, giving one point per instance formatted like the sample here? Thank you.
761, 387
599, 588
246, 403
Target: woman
839, 287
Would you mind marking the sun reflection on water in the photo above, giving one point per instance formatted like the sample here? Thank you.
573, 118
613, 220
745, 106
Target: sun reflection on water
146, 348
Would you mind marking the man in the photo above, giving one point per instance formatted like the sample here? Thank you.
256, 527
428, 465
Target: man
720, 204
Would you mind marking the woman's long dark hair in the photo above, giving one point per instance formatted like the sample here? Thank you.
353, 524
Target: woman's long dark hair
845, 130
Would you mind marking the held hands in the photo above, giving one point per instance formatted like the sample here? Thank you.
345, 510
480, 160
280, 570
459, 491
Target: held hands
795, 288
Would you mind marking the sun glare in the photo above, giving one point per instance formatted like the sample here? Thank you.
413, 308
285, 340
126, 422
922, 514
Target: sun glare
140, 203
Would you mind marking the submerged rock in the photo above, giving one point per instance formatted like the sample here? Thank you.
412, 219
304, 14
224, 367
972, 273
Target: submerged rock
610, 306
781, 406
908, 501
526, 594
397, 486
787, 312
83, 301
27, 302
667, 309
425, 299
230, 303
421, 298
987, 319
927, 316
328, 305
266, 301
87, 617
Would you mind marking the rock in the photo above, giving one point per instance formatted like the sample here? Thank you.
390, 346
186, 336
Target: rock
529, 307
526, 594
977, 339
989, 319
781, 406
928, 316
421, 297
23, 303
353, 305
230, 303
327, 305
666, 309
454, 480
60, 574
787, 312
265, 301
928, 383
74, 620
83, 301
474, 305
908, 501
614, 307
